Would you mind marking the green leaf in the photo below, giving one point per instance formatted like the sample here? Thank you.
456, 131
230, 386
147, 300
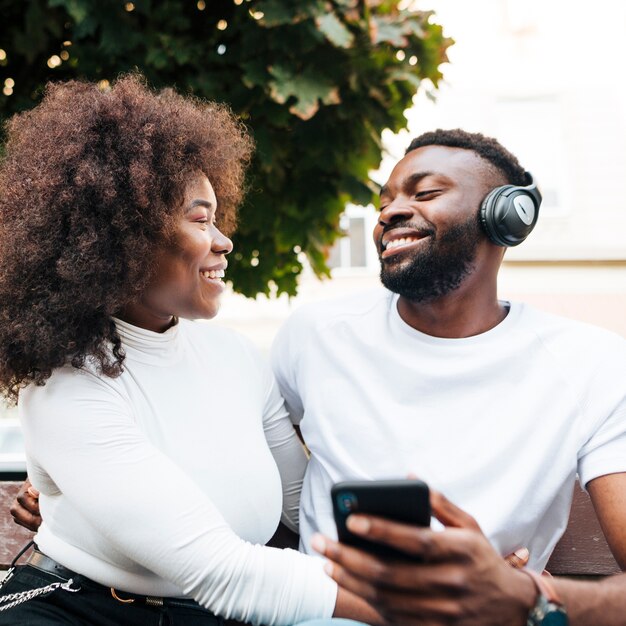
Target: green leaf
278, 13
254, 73
334, 30
76, 9
308, 88
407, 75
157, 57
387, 31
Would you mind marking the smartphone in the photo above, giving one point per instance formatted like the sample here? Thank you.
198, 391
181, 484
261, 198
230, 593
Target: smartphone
406, 501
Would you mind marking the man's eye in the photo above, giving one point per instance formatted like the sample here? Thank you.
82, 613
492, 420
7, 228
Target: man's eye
424, 194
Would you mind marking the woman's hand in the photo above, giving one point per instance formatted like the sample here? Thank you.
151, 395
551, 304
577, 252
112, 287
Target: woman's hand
457, 578
25, 507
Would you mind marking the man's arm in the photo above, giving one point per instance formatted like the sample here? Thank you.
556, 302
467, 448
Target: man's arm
608, 494
461, 580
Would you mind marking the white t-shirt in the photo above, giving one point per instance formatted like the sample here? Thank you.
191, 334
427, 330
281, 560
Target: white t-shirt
164, 481
499, 422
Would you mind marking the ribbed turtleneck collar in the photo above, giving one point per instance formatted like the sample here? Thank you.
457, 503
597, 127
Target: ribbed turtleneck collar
146, 346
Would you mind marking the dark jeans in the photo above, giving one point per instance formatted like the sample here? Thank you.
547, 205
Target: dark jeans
93, 605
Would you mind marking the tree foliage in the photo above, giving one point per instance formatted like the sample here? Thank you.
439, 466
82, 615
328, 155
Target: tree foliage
316, 80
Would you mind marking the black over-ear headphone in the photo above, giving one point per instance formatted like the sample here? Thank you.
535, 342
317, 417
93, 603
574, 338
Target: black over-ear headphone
509, 213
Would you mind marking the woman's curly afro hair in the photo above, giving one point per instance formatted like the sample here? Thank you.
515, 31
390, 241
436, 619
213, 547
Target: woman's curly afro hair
91, 184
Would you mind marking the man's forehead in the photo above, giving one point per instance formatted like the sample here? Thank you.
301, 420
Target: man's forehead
437, 160
444, 159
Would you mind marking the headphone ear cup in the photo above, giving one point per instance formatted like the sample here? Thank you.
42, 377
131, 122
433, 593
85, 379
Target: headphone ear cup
487, 215
509, 214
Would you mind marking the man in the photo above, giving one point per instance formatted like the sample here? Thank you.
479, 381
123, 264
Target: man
495, 404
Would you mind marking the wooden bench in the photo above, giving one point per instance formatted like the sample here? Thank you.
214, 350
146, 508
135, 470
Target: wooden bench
12, 537
582, 550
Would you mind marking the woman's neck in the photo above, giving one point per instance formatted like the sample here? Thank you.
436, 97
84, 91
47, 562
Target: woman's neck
138, 315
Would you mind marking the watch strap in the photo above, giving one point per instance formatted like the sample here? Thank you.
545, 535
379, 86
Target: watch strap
544, 586
548, 607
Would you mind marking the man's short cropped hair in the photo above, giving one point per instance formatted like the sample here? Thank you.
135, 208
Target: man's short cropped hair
485, 147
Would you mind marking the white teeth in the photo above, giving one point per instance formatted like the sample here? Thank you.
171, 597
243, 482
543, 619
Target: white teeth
399, 242
213, 273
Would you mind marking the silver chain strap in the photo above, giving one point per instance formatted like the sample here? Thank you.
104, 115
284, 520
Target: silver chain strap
15, 599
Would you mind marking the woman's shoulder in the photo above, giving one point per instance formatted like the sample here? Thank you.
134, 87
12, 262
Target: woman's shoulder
69, 383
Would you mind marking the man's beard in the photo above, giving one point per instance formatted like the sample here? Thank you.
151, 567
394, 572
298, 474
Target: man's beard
438, 268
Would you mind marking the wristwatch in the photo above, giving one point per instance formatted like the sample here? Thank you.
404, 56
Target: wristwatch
548, 609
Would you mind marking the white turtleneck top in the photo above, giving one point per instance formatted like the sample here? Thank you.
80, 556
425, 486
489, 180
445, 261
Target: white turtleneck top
166, 480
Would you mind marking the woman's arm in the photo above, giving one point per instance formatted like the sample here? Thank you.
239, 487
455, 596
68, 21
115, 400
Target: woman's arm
287, 450
80, 432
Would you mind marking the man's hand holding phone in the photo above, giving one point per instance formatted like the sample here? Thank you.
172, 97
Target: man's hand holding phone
454, 576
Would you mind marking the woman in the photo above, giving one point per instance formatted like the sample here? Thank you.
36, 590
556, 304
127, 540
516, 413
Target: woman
155, 442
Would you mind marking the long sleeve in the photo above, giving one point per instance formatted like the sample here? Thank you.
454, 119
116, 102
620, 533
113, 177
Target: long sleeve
284, 360
287, 450
83, 442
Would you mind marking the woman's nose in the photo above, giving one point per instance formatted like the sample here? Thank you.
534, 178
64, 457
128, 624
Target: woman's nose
221, 243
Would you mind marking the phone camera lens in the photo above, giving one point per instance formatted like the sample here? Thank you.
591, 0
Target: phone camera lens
347, 502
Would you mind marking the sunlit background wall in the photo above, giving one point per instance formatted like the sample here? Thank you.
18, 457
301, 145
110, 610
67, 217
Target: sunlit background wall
546, 77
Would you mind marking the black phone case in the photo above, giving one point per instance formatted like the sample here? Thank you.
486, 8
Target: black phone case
404, 501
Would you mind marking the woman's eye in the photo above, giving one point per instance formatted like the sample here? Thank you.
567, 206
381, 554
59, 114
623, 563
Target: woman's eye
205, 221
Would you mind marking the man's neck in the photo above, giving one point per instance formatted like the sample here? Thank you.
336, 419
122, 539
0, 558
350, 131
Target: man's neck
455, 315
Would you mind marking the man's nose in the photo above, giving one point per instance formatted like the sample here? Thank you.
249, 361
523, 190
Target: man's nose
394, 212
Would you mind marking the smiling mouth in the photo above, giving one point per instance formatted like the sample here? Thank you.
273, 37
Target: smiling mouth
401, 243
213, 274
395, 243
